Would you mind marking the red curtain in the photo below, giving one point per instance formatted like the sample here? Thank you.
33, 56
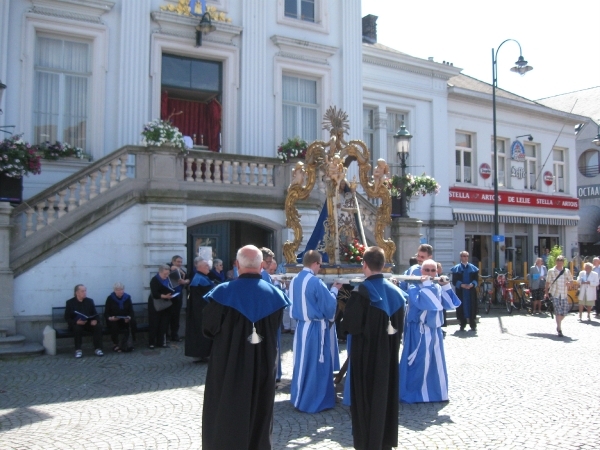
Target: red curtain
201, 119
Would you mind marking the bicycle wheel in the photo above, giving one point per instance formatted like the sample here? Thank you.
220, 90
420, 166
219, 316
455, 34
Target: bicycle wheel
488, 302
481, 293
499, 296
518, 300
509, 302
571, 304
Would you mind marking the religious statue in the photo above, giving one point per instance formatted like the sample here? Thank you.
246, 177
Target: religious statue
298, 174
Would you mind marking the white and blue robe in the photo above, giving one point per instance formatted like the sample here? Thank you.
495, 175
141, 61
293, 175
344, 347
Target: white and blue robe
423, 375
313, 306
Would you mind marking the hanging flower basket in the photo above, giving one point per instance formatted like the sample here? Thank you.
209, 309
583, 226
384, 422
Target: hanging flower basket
412, 185
293, 148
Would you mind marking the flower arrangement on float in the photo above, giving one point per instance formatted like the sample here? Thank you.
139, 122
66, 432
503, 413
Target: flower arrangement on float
293, 148
353, 253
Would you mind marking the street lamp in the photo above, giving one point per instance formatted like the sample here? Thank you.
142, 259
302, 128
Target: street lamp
205, 26
597, 138
403, 138
521, 68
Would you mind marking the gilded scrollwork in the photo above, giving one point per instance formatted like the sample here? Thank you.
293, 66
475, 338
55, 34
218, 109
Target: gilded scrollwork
332, 158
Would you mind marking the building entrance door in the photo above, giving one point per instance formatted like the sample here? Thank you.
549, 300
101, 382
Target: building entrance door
225, 237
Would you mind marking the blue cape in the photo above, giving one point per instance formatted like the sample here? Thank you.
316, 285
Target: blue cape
201, 280
384, 295
121, 300
252, 296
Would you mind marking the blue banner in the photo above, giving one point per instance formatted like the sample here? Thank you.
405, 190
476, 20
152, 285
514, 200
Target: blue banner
194, 5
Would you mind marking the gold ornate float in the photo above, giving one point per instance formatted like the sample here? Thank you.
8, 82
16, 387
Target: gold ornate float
332, 159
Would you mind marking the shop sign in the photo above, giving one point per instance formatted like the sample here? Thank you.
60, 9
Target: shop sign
591, 191
517, 151
459, 194
485, 171
548, 178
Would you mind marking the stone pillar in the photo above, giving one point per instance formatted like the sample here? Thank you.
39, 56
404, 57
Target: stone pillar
406, 233
7, 318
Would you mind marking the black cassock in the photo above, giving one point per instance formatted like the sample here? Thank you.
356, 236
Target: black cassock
196, 344
374, 381
240, 381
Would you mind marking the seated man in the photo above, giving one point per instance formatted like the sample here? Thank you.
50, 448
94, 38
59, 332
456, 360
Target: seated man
81, 315
118, 314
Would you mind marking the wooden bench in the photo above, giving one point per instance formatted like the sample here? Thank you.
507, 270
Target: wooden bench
140, 311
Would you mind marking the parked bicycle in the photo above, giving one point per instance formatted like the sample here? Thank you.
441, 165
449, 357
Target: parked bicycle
503, 295
522, 296
484, 292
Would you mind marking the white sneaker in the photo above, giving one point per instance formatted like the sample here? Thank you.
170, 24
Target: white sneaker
99, 352
78, 353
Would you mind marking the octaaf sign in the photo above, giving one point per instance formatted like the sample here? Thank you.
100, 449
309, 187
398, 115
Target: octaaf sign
591, 191
458, 194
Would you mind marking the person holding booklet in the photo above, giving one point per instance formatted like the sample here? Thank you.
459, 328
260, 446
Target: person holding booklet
179, 280
160, 301
81, 315
118, 315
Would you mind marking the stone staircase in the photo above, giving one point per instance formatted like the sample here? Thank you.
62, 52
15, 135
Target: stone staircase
16, 346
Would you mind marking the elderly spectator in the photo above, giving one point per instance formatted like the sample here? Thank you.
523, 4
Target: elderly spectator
217, 274
119, 317
537, 281
159, 304
588, 282
81, 315
175, 310
196, 344
557, 285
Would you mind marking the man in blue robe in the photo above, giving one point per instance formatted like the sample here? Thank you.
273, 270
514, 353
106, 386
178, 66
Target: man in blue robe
464, 280
242, 318
313, 306
374, 317
423, 375
425, 251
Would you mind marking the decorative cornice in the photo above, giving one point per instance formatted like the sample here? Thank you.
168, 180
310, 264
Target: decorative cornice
303, 50
173, 24
81, 10
405, 67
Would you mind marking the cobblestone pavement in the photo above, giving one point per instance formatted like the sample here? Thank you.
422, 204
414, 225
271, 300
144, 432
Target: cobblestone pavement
514, 385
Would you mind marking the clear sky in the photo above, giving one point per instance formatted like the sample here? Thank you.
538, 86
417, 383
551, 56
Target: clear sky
561, 40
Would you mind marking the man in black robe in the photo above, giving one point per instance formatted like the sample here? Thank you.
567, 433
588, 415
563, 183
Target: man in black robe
374, 316
243, 317
196, 344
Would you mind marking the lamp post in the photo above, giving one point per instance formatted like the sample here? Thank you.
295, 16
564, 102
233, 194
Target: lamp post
597, 138
521, 68
205, 26
403, 138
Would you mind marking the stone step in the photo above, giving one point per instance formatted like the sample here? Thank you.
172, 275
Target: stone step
17, 346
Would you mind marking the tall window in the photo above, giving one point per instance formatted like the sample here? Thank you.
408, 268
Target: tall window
369, 131
559, 170
501, 150
394, 122
300, 9
530, 166
62, 76
464, 154
299, 108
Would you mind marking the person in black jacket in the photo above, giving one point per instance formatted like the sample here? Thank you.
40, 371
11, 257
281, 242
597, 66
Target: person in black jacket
161, 290
81, 315
119, 317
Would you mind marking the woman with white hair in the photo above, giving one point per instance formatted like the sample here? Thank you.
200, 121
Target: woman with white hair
588, 282
118, 315
196, 345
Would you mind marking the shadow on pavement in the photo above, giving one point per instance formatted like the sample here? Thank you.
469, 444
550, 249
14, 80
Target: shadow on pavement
420, 416
464, 334
553, 337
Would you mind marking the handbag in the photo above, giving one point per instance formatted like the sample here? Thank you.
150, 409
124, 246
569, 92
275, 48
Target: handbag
160, 304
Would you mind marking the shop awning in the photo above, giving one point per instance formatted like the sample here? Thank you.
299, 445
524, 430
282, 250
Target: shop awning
469, 215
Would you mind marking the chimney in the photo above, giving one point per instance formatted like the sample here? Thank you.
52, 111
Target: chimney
369, 29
